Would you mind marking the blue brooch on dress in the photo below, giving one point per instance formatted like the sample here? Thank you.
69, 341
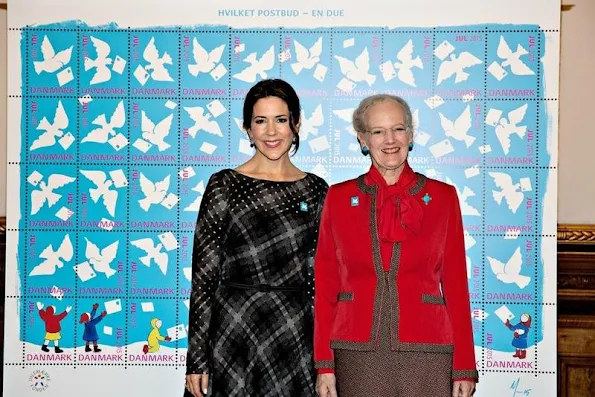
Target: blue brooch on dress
426, 199
304, 206
354, 201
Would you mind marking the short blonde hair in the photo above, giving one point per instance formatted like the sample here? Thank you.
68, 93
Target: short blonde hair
359, 115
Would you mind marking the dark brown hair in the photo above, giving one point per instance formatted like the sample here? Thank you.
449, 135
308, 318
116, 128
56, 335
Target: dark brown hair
282, 90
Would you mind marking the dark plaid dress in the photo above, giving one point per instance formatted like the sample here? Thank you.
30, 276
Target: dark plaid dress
251, 324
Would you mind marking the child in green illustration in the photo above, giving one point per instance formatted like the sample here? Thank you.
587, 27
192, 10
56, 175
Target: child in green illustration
155, 336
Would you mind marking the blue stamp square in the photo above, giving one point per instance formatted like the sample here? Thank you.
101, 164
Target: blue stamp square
103, 63
315, 135
240, 148
50, 258
193, 182
185, 266
42, 311
512, 69
406, 67
205, 62
109, 329
459, 63
153, 131
468, 183
511, 133
153, 263
255, 56
51, 197
345, 148
153, 197
355, 201
306, 61
524, 327
51, 62
101, 267
103, 191
205, 131
357, 57
149, 322
303, 206
153, 67
474, 261
510, 269
456, 134
51, 130
103, 130
511, 200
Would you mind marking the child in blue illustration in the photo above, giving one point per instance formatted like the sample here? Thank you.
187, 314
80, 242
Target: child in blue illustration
155, 336
90, 334
52, 325
521, 332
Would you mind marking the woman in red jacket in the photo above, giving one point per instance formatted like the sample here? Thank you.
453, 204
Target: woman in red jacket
392, 313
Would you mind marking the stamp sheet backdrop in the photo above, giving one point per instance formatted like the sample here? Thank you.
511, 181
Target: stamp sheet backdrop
120, 111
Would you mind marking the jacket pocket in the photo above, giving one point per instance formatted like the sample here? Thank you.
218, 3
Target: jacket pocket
433, 299
345, 296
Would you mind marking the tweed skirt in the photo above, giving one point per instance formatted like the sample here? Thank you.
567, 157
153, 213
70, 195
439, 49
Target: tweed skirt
387, 373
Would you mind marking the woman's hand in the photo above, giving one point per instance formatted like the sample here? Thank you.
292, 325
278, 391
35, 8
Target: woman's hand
197, 384
463, 388
326, 385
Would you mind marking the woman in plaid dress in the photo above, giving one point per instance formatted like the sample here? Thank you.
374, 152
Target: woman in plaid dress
250, 322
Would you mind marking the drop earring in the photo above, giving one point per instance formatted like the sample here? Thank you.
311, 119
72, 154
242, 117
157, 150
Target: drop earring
410, 146
365, 150
251, 141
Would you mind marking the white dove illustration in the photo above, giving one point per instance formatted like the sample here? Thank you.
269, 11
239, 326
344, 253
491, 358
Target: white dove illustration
110, 196
204, 61
101, 260
51, 131
357, 70
195, 205
506, 128
510, 192
100, 63
513, 59
416, 123
46, 192
105, 130
153, 253
156, 63
466, 208
458, 130
258, 67
51, 61
510, 272
310, 125
346, 115
156, 133
202, 121
405, 74
306, 59
455, 66
154, 192
187, 273
53, 259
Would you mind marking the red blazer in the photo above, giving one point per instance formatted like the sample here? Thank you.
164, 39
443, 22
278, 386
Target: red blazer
427, 279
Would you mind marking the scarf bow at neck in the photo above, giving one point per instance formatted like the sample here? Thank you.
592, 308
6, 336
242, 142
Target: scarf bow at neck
399, 214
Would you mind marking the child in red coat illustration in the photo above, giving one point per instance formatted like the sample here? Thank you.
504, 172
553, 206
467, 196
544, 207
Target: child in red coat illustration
52, 326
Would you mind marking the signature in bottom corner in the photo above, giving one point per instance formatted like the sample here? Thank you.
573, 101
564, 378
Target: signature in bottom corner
516, 388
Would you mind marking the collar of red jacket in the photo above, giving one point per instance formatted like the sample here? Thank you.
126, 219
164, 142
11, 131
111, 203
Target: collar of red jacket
399, 213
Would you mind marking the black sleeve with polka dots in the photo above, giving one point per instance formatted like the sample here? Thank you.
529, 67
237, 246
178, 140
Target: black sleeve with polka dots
207, 255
